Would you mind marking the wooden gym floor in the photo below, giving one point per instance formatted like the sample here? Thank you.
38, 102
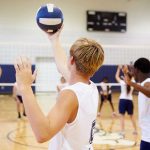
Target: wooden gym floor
16, 134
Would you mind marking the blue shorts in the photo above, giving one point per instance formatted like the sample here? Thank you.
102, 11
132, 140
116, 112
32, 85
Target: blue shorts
125, 106
144, 145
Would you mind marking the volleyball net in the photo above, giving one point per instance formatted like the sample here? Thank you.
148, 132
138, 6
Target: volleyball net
7, 88
43, 60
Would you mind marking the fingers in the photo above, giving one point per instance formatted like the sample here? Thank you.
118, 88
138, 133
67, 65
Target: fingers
125, 69
60, 29
19, 63
16, 67
27, 63
119, 66
22, 63
53, 36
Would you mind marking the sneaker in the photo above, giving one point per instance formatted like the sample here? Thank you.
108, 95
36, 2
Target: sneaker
114, 114
24, 114
19, 116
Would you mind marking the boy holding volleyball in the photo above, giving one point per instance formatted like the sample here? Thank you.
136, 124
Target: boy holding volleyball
71, 121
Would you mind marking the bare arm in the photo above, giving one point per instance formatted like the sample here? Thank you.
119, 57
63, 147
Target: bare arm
44, 127
144, 89
117, 76
59, 54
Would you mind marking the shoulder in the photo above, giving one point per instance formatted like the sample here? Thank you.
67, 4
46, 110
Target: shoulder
67, 92
147, 84
68, 98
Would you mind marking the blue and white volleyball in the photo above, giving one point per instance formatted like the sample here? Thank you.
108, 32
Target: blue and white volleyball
49, 18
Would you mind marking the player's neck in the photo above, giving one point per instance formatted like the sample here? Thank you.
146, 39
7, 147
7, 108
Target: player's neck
77, 77
143, 77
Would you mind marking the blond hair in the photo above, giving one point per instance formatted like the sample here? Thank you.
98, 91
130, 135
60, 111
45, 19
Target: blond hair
88, 56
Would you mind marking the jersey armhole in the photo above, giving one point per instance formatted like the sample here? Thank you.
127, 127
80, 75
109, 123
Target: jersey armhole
76, 118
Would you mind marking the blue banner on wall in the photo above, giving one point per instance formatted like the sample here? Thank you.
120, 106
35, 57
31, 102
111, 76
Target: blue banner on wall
8, 76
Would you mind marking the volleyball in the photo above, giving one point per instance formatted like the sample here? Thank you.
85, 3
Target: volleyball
49, 18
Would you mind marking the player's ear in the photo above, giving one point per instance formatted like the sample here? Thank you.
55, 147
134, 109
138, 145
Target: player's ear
71, 60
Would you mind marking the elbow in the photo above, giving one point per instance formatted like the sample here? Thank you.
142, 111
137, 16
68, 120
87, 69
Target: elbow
42, 139
116, 77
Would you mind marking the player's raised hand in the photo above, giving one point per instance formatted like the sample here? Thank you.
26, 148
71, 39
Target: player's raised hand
24, 76
125, 69
54, 36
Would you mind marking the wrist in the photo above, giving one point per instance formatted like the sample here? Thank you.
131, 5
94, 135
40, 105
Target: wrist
55, 42
24, 88
132, 83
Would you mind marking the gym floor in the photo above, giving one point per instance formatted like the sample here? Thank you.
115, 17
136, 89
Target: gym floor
16, 134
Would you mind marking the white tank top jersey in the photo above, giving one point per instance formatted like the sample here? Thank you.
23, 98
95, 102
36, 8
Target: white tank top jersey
124, 94
78, 135
105, 88
144, 114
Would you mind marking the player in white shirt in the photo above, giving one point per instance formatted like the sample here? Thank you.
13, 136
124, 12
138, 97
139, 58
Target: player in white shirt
19, 103
69, 124
141, 72
125, 102
106, 95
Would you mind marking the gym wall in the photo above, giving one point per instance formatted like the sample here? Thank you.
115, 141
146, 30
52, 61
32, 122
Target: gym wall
18, 20
20, 35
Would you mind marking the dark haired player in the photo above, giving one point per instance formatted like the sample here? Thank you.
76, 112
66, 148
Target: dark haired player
141, 72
